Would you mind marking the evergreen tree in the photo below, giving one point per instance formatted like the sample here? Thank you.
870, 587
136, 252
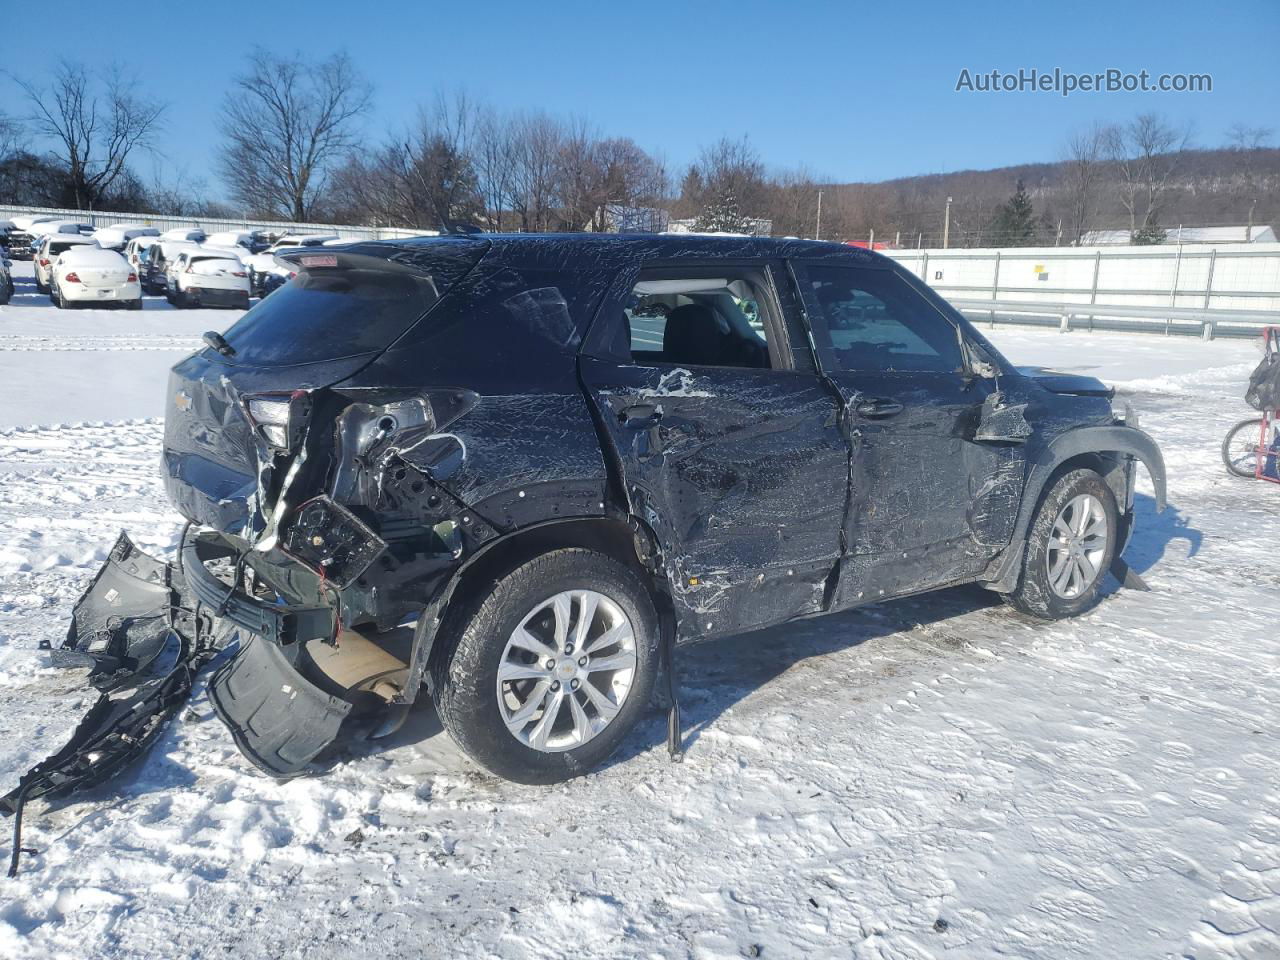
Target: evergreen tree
1148, 234
1014, 224
722, 215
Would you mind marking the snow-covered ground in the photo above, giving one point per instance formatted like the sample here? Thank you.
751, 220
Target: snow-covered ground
926, 778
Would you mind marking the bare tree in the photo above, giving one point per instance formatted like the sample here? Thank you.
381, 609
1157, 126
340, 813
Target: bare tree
793, 203
1084, 156
287, 122
1147, 152
725, 187
1244, 141
95, 126
536, 143
494, 154
10, 135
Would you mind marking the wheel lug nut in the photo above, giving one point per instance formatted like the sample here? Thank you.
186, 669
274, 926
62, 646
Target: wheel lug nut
555, 685
551, 664
574, 685
582, 661
568, 648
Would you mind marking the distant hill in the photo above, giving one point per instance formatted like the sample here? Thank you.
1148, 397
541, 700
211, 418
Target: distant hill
1209, 188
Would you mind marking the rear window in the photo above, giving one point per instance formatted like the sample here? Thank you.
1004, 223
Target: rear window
212, 266
360, 306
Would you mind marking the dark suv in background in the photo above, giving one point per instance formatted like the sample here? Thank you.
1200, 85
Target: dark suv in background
518, 468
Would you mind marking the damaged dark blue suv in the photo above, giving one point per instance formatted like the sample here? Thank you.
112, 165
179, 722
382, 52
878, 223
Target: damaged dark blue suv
517, 470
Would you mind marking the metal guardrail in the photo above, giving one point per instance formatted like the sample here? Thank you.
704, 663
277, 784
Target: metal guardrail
1194, 321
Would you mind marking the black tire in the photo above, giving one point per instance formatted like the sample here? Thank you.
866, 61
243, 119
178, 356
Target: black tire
41, 287
465, 674
1243, 436
1035, 595
134, 304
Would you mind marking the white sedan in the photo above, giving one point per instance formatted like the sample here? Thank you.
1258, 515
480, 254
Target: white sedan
51, 247
84, 276
207, 277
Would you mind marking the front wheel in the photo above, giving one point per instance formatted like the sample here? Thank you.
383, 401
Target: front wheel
1070, 546
548, 672
1240, 448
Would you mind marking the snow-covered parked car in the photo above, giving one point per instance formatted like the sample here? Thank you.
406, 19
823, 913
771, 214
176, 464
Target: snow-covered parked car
265, 270
6, 281
248, 242
135, 251
29, 231
208, 277
117, 236
160, 256
482, 465
50, 247
91, 276
186, 234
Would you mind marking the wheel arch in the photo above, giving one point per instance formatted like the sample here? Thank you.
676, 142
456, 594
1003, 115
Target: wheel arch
1103, 449
629, 541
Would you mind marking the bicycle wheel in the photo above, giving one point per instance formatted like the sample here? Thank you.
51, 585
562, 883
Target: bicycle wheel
1240, 448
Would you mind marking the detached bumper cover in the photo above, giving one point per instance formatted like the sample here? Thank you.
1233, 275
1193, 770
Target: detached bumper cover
145, 629
144, 646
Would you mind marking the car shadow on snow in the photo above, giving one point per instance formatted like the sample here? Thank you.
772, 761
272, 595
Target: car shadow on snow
1155, 532
716, 675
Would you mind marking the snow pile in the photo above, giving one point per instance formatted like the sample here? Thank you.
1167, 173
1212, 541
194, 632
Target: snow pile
924, 778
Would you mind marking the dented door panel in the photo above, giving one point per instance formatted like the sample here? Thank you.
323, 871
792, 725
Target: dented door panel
741, 474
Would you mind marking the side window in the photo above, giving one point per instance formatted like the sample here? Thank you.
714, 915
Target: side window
715, 318
871, 320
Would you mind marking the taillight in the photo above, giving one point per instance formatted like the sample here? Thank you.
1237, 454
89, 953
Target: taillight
133, 278
71, 278
279, 418
44, 262
190, 268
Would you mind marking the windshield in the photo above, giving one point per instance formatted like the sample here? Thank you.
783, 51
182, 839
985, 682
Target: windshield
326, 313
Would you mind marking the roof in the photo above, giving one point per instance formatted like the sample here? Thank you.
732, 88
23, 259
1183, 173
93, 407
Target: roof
552, 247
84, 256
69, 238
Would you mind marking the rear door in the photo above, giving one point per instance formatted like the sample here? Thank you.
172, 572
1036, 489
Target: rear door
927, 501
728, 443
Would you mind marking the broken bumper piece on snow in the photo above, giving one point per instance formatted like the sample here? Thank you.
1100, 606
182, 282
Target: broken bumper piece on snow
144, 629
143, 643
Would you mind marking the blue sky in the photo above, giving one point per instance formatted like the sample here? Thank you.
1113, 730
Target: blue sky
853, 91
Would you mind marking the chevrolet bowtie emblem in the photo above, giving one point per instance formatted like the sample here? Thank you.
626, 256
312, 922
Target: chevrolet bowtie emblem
182, 401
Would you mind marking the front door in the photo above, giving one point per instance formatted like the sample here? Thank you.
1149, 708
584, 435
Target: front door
927, 501
729, 449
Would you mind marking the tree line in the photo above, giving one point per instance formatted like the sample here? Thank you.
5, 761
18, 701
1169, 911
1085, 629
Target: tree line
295, 146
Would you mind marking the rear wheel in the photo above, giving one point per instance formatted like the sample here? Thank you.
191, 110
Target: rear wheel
1239, 449
550, 670
134, 304
41, 287
1070, 546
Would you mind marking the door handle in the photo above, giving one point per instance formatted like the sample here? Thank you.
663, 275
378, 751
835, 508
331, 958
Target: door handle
640, 416
877, 408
